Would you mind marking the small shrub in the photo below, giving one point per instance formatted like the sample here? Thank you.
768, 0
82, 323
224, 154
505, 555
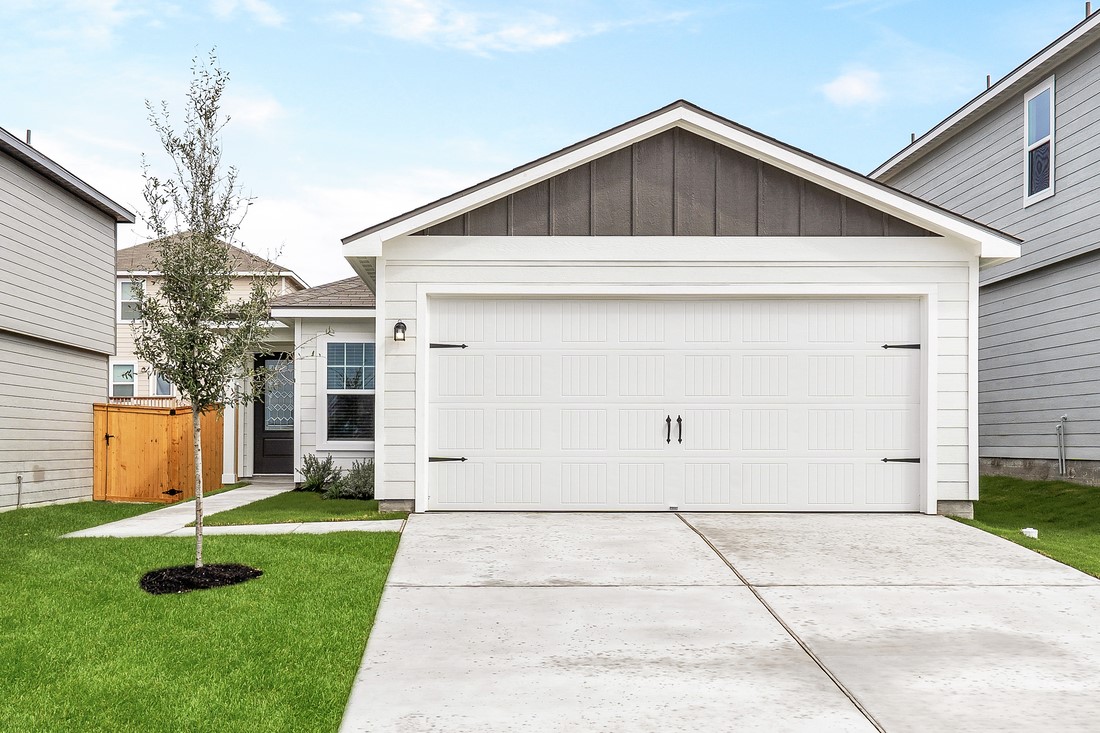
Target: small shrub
318, 474
358, 483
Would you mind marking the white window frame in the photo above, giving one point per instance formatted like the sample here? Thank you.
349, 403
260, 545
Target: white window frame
153, 377
323, 441
111, 378
1049, 190
118, 301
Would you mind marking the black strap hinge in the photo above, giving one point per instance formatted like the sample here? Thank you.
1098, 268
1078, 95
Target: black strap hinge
901, 460
445, 459
901, 346
448, 346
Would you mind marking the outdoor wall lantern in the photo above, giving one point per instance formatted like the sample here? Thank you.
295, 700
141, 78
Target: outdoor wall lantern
399, 331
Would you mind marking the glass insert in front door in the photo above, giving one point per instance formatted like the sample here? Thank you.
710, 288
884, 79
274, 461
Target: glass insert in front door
279, 395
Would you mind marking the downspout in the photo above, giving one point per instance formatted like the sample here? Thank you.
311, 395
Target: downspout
1060, 430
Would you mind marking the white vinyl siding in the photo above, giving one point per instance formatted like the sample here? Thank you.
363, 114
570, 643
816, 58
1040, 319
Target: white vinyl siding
46, 398
57, 263
313, 336
833, 263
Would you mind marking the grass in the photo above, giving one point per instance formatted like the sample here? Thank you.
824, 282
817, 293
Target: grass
301, 506
83, 648
1066, 515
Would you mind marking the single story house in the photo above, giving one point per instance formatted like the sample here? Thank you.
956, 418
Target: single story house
676, 314
57, 323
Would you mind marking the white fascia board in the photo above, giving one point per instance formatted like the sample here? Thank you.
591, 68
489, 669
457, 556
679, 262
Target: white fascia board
323, 313
991, 95
849, 184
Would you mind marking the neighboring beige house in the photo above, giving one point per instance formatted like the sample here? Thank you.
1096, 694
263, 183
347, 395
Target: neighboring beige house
57, 326
133, 381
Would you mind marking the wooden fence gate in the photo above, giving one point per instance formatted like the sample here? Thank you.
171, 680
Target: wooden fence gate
146, 453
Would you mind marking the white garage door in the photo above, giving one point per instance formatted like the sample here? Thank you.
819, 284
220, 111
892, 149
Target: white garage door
732, 404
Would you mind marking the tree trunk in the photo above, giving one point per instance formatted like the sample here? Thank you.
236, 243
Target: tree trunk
196, 431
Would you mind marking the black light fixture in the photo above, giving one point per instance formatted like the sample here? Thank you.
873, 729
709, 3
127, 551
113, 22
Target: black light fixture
399, 331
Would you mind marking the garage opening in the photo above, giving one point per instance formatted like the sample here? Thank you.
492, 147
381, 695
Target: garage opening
737, 404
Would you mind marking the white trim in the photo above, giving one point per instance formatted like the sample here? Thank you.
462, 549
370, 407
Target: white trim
1047, 85
229, 441
323, 442
153, 382
333, 313
297, 402
929, 352
1073, 40
972, 408
381, 348
844, 182
929, 466
111, 364
830, 251
118, 301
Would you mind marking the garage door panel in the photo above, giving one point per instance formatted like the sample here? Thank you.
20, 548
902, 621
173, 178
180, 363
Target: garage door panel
784, 405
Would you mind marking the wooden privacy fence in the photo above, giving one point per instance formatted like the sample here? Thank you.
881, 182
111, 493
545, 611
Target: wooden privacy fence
146, 453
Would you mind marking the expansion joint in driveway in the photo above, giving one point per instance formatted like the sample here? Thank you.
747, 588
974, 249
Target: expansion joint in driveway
798, 640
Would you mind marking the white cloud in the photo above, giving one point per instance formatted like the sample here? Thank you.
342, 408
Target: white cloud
439, 23
859, 86
896, 70
260, 10
450, 24
345, 19
257, 111
302, 228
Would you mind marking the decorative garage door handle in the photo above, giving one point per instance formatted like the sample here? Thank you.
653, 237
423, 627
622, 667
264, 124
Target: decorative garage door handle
680, 429
668, 425
446, 459
901, 460
901, 346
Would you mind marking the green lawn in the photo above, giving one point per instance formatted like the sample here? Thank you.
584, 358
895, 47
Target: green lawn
84, 649
1066, 515
300, 506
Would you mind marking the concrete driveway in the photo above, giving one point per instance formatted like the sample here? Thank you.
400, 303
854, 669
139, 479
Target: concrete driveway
664, 622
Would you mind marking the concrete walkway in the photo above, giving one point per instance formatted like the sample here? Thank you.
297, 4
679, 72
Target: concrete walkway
172, 521
660, 622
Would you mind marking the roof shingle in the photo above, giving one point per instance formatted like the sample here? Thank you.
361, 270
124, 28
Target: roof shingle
349, 293
139, 258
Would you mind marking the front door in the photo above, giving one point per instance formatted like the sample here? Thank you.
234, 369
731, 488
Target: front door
274, 412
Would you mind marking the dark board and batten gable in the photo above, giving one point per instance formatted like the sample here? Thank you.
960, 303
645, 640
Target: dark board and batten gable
676, 183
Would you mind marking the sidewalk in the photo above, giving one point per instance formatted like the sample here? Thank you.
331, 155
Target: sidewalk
172, 519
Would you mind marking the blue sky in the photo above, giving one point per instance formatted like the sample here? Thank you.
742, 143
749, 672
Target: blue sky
346, 112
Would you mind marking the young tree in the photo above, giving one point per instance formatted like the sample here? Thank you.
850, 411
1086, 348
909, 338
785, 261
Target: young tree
190, 332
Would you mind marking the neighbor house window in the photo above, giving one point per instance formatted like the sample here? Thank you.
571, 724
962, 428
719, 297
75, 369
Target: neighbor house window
161, 386
1039, 137
122, 380
127, 301
349, 386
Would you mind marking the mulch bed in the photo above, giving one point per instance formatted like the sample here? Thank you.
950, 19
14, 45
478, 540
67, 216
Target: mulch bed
186, 578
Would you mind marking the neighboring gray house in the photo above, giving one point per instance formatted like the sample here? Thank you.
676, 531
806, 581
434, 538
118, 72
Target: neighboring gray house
57, 323
1024, 157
